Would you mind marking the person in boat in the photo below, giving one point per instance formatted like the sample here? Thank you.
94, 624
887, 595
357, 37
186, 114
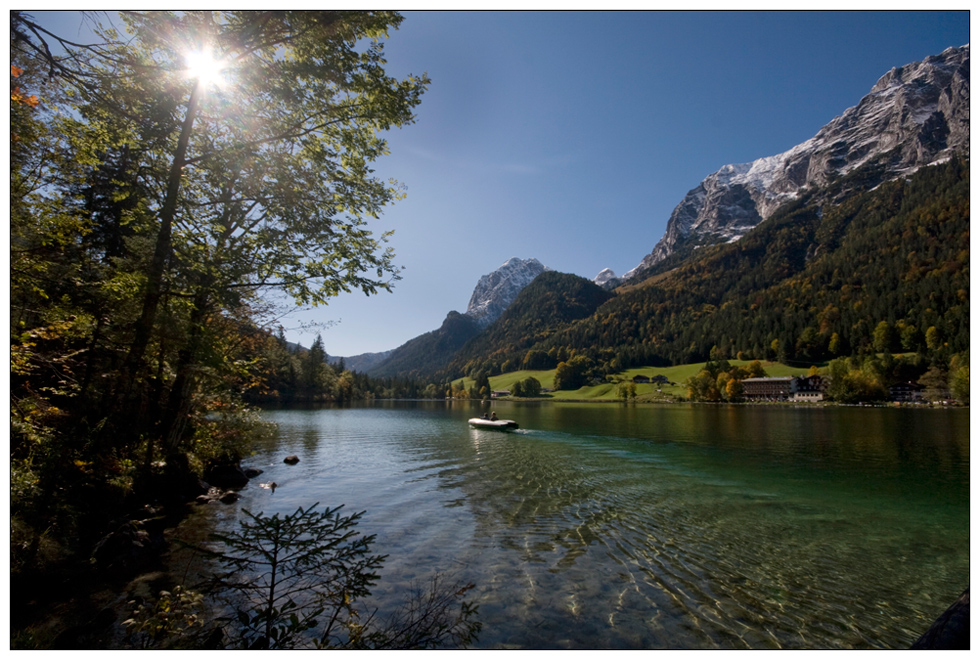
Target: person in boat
493, 416
486, 416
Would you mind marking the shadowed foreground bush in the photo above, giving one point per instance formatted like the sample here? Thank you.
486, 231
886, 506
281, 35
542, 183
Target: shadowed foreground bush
298, 581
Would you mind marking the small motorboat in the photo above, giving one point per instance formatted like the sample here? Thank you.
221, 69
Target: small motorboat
497, 424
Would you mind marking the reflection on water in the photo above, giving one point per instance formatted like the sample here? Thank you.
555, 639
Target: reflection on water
600, 526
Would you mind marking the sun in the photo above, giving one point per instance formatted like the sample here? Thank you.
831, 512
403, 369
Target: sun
203, 66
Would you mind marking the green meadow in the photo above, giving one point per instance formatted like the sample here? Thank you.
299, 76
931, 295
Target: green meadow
650, 392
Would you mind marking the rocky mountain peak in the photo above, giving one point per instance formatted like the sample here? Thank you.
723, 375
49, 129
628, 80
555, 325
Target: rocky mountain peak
497, 290
607, 279
915, 115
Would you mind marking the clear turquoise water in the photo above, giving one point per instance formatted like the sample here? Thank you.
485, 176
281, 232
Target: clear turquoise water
610, 526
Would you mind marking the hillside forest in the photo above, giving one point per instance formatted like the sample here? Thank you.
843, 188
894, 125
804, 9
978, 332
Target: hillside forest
872, 286
880, 274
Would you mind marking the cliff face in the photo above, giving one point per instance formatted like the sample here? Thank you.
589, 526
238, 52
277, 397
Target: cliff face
497, 290
915, 115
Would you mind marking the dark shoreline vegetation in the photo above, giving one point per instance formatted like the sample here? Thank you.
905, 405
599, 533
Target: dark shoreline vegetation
149, 233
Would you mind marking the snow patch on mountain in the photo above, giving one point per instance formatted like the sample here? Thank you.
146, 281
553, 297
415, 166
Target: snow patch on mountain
607, 279
497, 290
917, 115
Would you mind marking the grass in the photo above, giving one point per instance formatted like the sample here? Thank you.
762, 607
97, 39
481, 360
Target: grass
609, 391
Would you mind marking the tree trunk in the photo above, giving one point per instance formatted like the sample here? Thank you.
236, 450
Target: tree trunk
161, 254
174, 421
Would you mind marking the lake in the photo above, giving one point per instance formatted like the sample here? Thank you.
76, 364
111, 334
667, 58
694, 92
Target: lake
679, 527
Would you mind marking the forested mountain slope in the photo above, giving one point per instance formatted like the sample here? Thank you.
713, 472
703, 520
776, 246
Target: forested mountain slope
916, 115
881, 270
548, 303
885, 270
428, 353
738, 247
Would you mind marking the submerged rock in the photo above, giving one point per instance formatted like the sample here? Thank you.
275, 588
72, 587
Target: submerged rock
218, 495
952, 629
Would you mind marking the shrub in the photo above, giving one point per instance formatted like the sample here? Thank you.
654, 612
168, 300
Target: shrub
297, 580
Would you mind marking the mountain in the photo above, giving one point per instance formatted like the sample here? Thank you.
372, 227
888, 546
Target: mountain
855, 243
877, 272
497, 290
552, 300
915, 115
430, 352
607, 279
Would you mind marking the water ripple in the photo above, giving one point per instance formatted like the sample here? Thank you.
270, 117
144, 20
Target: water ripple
585, 540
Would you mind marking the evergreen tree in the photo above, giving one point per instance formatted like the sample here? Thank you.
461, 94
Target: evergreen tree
149, 211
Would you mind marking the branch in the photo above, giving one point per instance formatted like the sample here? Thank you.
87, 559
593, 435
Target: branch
289, 134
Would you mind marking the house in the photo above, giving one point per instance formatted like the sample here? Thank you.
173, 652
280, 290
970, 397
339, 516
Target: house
659, 378
802, 389
499, 393
810, 389
907, 392
769, 389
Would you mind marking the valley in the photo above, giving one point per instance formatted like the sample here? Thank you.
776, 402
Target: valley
853, 243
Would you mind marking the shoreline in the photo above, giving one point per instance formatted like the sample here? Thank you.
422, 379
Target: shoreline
795, 404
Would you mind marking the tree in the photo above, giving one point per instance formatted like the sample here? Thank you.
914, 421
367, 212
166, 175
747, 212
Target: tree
153, 218
528, 387
936, 384
911, 338
721, 383
314, 368
565, 377
703, 386
573, 374
344, 387
834, 345
297, 581
959, 384
883, 337
853, 385
733, 390
537, 359
810, 344
481, 384
627, 390
263, 181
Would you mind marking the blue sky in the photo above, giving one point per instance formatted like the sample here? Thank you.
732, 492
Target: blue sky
571, 136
